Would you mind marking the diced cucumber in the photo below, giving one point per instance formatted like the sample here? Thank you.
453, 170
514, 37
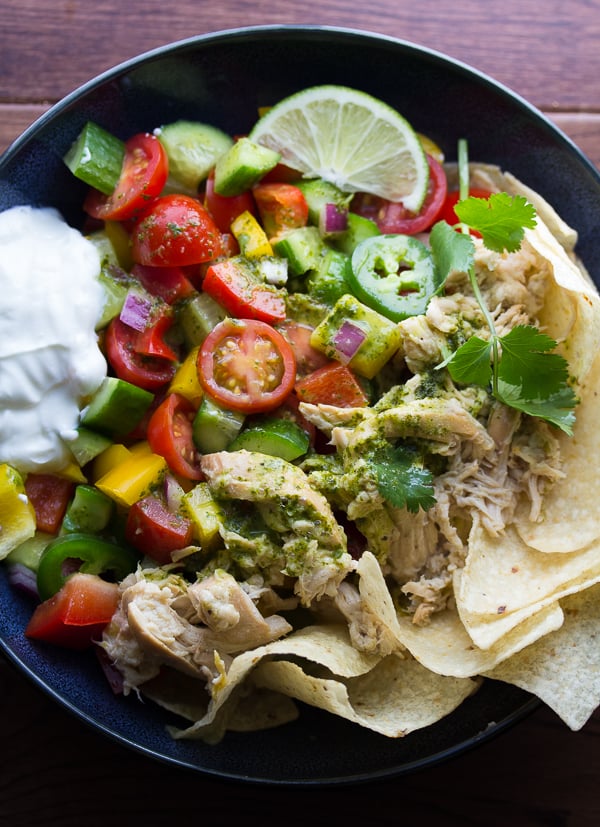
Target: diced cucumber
28, 553
318, 193
274, 436
327, 283
242, 166
303, 247
214, 427
381, 336
89, 511
96, 157
192, 149
116, 407
359, 228
88, 445
198, 316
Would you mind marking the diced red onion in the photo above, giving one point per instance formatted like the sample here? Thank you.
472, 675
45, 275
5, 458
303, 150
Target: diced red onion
173, 493
22, 578
111, 673
333, 219
347, 341
137, 309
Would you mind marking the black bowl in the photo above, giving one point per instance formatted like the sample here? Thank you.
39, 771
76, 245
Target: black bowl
222, 78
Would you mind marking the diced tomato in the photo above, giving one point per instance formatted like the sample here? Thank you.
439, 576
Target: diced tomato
234, 285
149, 372
171, 284
76, 615
169, 433
281, 207
143, 176
298, 335
392, 217
452, 198
246, 365
333, 384
49, 495
174, 231
151, 341
225, 208
281, 174
155, 530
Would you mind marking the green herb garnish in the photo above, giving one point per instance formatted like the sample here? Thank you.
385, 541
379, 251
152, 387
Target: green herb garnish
403, 480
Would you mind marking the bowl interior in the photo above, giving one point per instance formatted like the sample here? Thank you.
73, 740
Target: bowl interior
223, 79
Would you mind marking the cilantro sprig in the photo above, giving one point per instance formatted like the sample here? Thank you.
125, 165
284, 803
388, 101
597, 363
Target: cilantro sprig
402, 479
520, 368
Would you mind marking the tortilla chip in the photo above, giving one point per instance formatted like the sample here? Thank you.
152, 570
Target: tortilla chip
327, 646
563, 668
445, 647
396, 697
505, 581
570, 514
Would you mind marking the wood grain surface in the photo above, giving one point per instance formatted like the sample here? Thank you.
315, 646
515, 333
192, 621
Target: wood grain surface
56, 771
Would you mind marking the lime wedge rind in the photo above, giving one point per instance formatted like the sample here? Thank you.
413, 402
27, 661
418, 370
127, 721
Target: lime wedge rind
349, 138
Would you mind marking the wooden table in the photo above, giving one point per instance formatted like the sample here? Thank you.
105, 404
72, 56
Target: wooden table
53, 769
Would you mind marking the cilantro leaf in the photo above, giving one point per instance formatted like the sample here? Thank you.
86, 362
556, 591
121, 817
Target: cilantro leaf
402, 480
501, 219
527, 363
451, 251
471, 364
556, 408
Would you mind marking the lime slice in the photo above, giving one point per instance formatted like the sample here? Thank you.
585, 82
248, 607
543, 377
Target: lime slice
350, 139
17, 517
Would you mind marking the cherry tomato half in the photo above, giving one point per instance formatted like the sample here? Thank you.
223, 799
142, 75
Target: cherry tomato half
246, 365
280, 206
169, 433
148, 372
225, 208
392, 217
174, 231
143, 176
452, 198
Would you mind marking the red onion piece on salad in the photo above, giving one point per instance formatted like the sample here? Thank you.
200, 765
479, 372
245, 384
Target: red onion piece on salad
136, 310
348, 340
333, 219
22, 578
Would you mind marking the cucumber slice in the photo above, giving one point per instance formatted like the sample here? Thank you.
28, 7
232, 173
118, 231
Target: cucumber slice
302, 247
318, 193
359, 229
116, 407
198, 316
89, 511
88, 445
192, 149
96, 157
214, 428
274, 436
242, 166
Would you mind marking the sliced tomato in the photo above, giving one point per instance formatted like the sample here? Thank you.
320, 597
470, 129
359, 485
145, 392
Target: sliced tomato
451, 200
281, 174
151, 341
155, 530
76, 615
246, 365
298, 335
235, 286
333, 384
148, 372
392, 217
174, 231
143, 176
169, 433
49, 495
280, 207
225, 208
171, 284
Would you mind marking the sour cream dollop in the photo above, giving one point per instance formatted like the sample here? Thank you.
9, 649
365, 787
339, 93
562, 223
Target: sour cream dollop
50, 300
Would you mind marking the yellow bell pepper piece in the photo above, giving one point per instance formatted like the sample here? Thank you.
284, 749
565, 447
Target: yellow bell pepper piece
250, 236
205, 514
73, 472
17, 517
108, 459
130, 480
185, 382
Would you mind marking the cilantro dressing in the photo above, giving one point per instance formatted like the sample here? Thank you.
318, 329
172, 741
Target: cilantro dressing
50, 300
